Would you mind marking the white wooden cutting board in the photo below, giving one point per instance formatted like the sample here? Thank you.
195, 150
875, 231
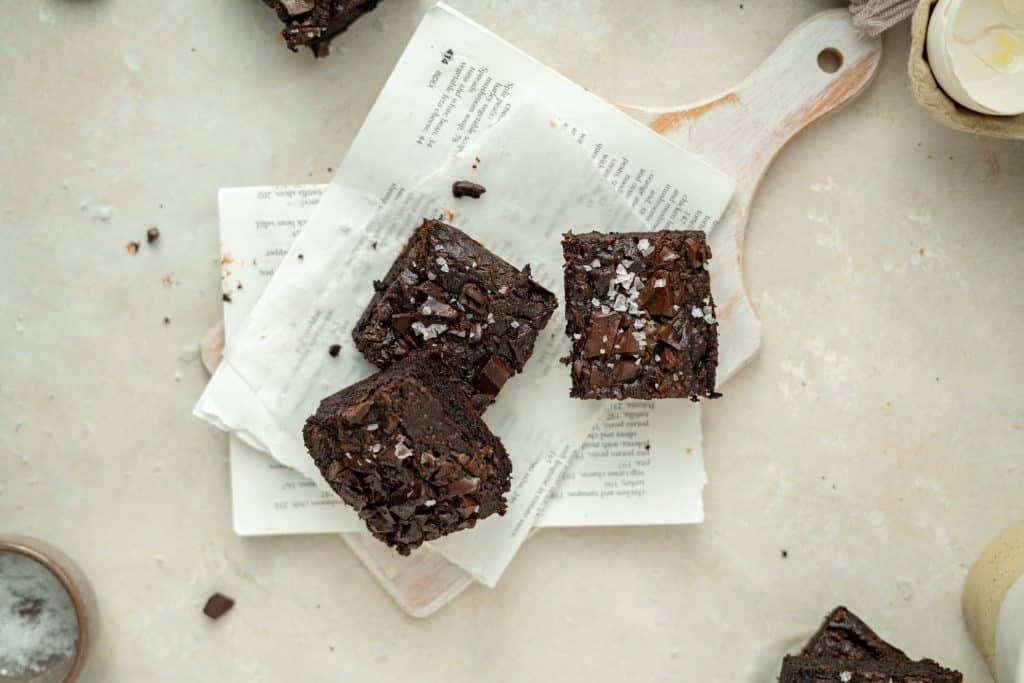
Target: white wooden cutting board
739, 131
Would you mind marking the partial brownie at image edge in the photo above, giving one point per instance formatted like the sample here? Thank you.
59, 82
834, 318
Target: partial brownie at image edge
843, 634
640, 315
846, 649
408, 452
830, 670
446, 290
315, 23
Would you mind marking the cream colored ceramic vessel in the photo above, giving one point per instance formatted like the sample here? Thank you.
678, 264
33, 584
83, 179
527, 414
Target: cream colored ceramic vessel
994, 605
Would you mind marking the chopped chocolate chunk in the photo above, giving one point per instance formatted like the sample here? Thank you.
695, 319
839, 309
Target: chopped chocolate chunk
845, 649
218, 605
314, 23
640, 315
446, 290
132, 248
226, 297
407, 450
334, 350
152, 235
492, 375
464, 188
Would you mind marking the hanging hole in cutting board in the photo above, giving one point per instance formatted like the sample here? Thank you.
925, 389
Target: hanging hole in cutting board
830, 60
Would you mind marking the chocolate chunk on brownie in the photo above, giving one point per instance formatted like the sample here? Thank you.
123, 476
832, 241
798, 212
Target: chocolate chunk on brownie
846, 649
832, 670
406, 449
446, 291
844, 635
640, 315
314, 23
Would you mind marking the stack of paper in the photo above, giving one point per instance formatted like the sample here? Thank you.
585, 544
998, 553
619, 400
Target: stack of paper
298, 263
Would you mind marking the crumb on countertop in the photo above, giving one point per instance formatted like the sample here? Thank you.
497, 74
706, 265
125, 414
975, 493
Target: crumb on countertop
218, 605
465, 188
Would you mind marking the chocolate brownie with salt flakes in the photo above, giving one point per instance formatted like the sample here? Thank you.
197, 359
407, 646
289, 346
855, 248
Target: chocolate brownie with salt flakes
640, 315
445, 290
314, 23
405, 448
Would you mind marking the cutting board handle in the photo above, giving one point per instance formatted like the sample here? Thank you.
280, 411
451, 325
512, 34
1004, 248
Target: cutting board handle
741, 131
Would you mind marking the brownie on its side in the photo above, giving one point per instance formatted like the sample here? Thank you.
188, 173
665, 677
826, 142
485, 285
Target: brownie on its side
640, 315
406, 450
445, 290
845, 649
314, 23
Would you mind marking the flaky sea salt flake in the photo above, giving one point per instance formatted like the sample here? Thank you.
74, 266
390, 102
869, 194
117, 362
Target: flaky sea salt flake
428, 332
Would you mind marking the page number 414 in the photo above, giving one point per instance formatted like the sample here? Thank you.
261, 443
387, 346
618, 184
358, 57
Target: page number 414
447, 55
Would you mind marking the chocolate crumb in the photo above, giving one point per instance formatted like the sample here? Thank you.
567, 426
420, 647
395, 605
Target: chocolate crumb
334, 350
301, 257
239, 285
167, 321
465, 188
785, 554
152, 235
218, 605
374, 246
226, 297
132, 248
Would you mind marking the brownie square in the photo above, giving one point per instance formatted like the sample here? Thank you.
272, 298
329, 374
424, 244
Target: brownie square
314, 23
405, 448
640, 315
845, 649
446, 291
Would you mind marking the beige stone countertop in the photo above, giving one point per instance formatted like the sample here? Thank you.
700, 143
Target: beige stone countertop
877, 439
